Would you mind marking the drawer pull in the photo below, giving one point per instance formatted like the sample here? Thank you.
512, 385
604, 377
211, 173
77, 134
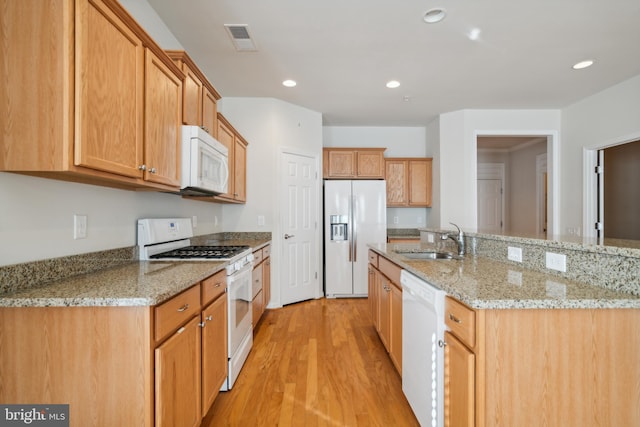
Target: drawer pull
454, 318
208, 318
217, 285
202, 324
183, 308
181, 330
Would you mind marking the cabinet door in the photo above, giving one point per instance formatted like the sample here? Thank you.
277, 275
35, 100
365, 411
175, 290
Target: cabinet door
459, 383
395, 339
240, 170
397, 183
109, 82
214, 350
191, 98
420, 182
340, 164
370, 164
257, 308
163, 95
178, 378
373, 295
209, 112
384, 308
266, 281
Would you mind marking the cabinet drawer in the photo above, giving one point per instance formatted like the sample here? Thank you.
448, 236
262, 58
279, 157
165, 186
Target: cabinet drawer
389, 269
257, 257
373, 258
171, 314
461, 320
214, 286
266, 251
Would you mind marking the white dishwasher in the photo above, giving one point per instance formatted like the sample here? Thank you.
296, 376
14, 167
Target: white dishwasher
422, 353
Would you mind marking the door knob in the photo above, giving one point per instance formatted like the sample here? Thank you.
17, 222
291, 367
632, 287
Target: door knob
288, 236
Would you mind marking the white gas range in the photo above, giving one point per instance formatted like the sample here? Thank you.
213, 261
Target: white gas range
169, 239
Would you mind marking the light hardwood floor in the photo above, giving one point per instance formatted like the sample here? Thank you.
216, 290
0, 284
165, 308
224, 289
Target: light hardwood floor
315, 363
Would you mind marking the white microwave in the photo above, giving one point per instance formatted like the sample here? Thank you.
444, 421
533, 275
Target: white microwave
205, 163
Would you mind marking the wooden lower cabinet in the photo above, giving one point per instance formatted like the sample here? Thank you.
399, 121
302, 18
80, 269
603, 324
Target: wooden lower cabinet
120, 366
266, 280
214, 350
178, 378
385, 294
459, 378
553, 367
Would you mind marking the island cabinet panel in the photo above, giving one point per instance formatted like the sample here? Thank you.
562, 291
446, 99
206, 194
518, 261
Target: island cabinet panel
564, 366
99, 360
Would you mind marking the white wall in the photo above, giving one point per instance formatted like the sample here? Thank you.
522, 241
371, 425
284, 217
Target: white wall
607, 118
148, 19
36, 217
399, 142
271, 126
458, 151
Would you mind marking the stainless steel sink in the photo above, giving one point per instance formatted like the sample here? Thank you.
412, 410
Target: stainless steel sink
428, 255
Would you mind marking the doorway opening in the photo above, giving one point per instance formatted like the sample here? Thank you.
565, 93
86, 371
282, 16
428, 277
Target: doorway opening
523, 192
618, 193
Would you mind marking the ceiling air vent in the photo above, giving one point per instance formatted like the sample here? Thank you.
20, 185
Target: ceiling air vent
240, 37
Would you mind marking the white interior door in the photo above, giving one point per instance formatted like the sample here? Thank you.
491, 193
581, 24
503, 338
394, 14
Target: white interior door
300, 239
489, 205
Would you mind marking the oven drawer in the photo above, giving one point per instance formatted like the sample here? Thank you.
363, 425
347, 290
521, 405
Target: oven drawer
214, 286
173, 313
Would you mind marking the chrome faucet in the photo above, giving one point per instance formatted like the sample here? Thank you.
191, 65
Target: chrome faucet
456, 237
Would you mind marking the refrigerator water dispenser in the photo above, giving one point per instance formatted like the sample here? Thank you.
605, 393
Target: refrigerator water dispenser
338, 227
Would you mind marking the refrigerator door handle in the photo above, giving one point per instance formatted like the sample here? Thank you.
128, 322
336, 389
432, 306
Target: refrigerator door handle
355, 230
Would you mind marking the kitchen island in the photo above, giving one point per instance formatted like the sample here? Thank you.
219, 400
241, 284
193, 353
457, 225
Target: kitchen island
526, 347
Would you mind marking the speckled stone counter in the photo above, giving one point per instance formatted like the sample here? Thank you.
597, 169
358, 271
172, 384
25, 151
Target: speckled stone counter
125, 283
485, 283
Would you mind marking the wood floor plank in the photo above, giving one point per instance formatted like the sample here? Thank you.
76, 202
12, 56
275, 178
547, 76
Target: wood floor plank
315, 363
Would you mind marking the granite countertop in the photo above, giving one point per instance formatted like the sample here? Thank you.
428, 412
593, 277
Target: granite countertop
136, 283
484, 283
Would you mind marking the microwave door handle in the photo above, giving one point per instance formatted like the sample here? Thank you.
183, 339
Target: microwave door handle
226, 171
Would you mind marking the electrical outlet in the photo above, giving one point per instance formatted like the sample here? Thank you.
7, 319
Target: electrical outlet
514, 277
514, 254
260, 219
556, 261
430, 237
194, 221
79, 226
419, 220
395, 220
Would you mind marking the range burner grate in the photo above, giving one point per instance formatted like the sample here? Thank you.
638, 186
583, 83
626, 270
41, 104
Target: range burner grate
202, 252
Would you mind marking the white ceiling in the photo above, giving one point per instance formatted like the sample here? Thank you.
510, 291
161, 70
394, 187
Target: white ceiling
342, 52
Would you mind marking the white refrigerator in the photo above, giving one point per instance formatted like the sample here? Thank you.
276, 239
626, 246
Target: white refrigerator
355, 214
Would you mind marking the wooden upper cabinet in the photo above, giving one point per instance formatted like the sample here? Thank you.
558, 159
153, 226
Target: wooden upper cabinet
163, 96
237, 146
199, 97
109, 91
408, 182
353, 163
209, 111
85, 119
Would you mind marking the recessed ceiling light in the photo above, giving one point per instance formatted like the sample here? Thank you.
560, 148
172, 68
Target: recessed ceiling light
474, 34
432, 16
289, 83
392, 84
583, 64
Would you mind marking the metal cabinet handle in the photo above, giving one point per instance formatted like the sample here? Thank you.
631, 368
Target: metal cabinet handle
454, 318
181, 330
289, 236
142, 167
202, 324
217, 285
152, 170
208, 318
183, 308
441, 343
